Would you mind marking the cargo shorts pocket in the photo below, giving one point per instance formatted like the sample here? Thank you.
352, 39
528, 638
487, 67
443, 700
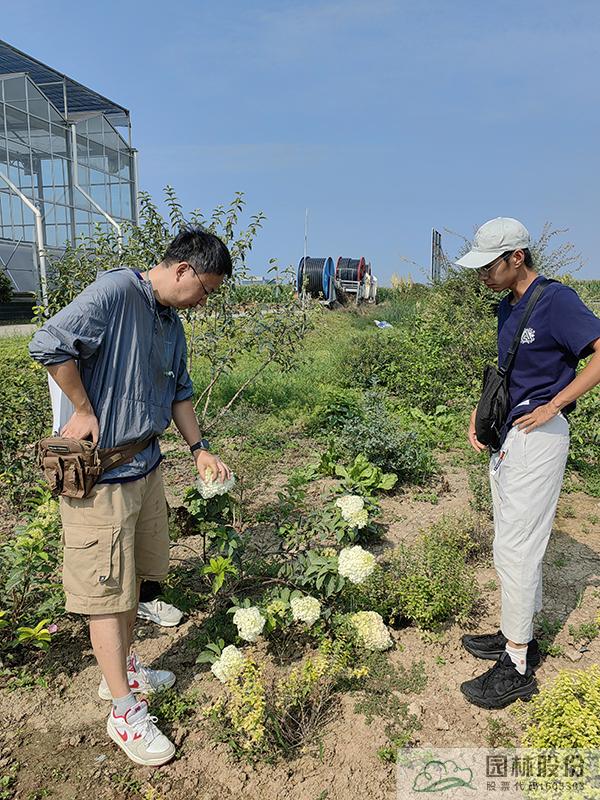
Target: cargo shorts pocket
92, 560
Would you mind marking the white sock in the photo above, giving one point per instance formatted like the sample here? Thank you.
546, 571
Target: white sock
519, 657
122, 705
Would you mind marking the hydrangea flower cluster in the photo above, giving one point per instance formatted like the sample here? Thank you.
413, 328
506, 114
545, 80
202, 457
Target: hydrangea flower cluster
209, 487
48, 514
229, 664
305, 609
371, 630
353, 510
355, 563
249, 622
277, 607
328, 552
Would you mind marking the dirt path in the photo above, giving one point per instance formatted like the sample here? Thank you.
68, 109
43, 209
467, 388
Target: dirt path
56, 734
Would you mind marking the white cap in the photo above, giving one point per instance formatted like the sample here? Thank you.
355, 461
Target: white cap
495, 237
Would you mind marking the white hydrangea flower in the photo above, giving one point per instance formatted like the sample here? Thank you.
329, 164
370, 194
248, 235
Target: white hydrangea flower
371, 630
360, 519
249, 622
355, 563
349, 505
229, 663
305, 609
209, 487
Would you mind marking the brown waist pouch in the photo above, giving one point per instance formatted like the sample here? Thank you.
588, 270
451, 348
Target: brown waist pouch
73, 466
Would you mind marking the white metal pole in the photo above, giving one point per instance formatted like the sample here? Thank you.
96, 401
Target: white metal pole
305, 256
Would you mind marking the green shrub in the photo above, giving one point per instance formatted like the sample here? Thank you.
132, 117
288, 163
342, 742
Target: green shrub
30, 587
445, 426
6, 289
584, 632
427, 582
262, 722
262, 293
566, 712
376, 434
337, 408
440, 355
584, 421
25, 416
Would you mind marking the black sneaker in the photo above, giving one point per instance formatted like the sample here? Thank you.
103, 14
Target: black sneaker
500, 686
492, 645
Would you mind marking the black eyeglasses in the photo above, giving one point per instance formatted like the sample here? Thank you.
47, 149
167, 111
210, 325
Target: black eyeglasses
483, 272
204, 289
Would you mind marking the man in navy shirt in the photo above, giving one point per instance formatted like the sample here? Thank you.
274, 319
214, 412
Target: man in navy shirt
526, 473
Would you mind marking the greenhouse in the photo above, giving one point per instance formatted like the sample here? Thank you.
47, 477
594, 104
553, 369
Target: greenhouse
66, 165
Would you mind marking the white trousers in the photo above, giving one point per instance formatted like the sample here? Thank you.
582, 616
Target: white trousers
526, 485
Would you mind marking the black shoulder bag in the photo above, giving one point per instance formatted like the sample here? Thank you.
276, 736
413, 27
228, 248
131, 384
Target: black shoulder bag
493, 406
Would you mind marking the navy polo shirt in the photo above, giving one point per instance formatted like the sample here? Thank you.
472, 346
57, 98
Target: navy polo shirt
559, 332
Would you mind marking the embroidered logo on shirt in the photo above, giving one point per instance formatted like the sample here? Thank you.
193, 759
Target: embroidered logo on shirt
528, 336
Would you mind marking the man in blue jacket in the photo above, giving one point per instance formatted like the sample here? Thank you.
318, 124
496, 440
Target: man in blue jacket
118, 352
526, 473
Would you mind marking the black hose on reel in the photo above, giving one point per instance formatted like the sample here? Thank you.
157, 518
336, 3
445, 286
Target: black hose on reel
350, 269
318, 274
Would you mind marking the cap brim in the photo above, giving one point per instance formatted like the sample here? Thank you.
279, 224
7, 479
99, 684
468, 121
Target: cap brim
475, 259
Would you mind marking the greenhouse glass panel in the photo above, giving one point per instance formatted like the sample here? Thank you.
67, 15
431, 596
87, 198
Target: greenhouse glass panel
112, 161
82, 230
82, 150
37, 104
125, 166
3, 155
49, 213
61, 213
15, 92
62, 235
115, 200
50, 233
126, 192
16, 124
98, 193
59, 141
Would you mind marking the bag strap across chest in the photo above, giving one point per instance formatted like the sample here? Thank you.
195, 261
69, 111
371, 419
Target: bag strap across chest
507, 364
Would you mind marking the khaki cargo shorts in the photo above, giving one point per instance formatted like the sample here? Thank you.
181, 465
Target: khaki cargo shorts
117, 535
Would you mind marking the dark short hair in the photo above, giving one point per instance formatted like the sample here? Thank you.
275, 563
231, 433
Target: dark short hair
528, 258
204, 251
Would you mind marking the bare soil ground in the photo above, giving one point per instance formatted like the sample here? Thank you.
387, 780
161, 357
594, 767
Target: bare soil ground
57, 734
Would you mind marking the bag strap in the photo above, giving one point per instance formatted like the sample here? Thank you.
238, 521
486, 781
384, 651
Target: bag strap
512, 350
113, 457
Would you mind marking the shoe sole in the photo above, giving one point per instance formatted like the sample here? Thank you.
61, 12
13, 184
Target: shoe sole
162, 623
494, 655
506, 701
104, 694
148, 762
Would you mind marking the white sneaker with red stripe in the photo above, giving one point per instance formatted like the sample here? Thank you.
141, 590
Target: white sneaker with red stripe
141, 679
137, 735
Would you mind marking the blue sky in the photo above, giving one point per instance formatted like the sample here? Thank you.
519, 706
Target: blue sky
384, 118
